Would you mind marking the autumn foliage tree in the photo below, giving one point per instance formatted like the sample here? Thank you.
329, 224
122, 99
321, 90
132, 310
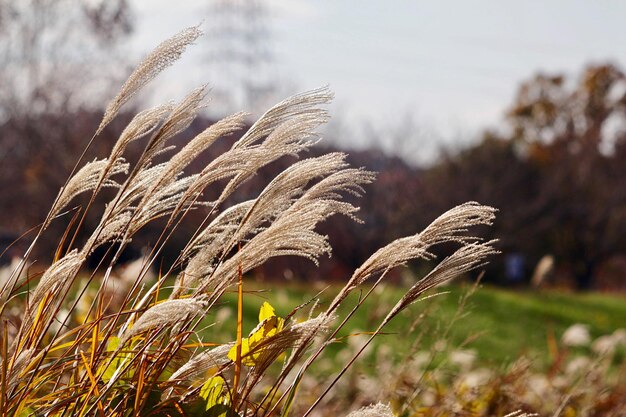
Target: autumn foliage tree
557, 175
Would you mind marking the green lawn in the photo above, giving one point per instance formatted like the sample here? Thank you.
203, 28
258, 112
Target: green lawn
499, 324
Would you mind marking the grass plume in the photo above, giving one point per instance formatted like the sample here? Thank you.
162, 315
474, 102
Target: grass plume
79, 351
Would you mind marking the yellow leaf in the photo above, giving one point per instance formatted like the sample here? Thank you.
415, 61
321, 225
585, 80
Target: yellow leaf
245, 349
266, 311
269, 325
213, 392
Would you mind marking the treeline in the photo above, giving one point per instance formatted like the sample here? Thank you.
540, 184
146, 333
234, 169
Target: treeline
556, 172
39, 152
558, 175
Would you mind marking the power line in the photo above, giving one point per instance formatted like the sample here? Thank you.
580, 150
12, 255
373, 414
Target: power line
239, 52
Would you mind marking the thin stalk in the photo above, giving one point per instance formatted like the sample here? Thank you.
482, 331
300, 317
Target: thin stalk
237, 376
5, 362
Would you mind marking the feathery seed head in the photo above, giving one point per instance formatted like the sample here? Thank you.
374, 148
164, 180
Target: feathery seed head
141, 125
21, 362
199, 365
88, 178
376, 410
450, 226
299, 104
164, 315
160, 58
58, 275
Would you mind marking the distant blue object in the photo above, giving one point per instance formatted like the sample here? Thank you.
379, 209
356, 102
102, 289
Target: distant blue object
514, 264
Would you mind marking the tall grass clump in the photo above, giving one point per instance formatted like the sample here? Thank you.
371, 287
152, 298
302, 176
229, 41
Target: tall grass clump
70, 346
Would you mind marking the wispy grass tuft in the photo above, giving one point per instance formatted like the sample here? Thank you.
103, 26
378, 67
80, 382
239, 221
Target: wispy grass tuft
147, 351
162, 57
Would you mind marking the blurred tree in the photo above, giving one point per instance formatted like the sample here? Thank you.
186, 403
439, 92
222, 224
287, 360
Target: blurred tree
570, 133
492, 172
557, 176
54, 54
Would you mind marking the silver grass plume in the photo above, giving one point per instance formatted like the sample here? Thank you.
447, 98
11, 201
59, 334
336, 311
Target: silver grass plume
161, 203
277, 196
88, 178
291, 231
143, 186
59, 275
118, 214
165, 315
198, 366
375, 410
110, 226
208, 246
135, 191
118, 217
231, 164
297, 222
450, 226
299, 104
282, 191
195, 147
273, 200
18, 365
220, 230
141, 125
329, 191
291, 137
291, 234
162, 193
468, 257
180, 118
160, 58
286, 132
296, 134
113, 230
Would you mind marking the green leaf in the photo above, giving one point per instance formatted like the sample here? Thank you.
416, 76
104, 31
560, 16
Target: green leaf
25, 412
112, 345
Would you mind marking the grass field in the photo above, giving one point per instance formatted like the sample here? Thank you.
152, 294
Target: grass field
122, 346
499, 324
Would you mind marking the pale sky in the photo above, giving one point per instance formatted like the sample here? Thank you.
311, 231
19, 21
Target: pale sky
452, 67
